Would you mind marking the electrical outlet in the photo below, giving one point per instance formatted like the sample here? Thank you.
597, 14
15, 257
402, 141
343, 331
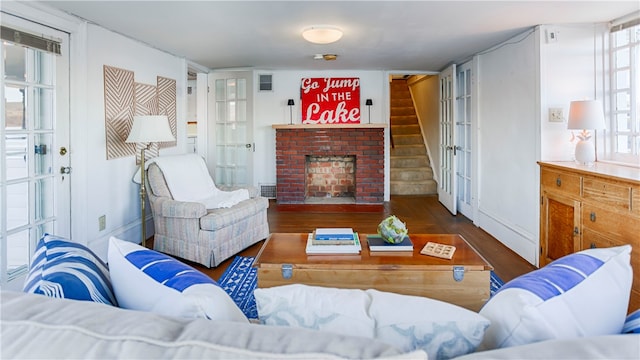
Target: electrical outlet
102, 222
556, 115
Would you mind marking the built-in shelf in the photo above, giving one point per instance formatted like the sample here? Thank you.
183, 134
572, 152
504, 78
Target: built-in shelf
329, 126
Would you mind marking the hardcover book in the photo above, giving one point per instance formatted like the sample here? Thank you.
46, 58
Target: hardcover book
348, 239
376, 243
353, 248
334, 234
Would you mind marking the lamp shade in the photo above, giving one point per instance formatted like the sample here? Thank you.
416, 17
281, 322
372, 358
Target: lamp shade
586, 115
150, 128
290, 102
322, 34
368, 102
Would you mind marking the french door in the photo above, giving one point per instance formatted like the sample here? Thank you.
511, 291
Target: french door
230, 155
464, 136
447, 190
35, 167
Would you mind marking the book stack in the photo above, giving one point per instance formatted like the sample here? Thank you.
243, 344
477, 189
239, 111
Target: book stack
378, 246
333, 241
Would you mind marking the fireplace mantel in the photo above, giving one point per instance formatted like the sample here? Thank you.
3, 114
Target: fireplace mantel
329, 126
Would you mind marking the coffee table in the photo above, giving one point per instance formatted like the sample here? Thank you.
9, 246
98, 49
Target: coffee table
463, 280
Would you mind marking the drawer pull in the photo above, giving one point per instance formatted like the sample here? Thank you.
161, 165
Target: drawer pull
287, 271
592, 245
592, 216
576, 231
559, 181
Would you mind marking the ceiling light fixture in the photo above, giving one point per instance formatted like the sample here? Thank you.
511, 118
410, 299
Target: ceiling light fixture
322, 34
327, 57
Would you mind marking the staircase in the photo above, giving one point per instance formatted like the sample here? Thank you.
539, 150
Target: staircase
411, 172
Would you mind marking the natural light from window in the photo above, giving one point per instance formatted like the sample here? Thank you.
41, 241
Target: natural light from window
624, 143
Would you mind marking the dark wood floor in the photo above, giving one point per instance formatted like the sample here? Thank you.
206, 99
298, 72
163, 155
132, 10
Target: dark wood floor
422, 214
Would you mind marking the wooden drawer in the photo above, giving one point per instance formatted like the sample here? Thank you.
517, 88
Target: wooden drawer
593, 239
635, 202
607, 193
623, 228
567, 183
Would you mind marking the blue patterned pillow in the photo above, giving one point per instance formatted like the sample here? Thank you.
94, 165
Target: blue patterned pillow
64, 269
632, 324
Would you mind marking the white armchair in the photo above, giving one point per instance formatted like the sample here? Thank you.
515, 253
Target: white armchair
187, 229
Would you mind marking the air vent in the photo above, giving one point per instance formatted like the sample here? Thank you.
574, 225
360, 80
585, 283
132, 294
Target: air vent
266, 83
268, 191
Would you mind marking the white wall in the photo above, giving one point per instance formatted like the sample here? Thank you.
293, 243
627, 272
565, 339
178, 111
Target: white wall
508, 143
109, 187
571, 69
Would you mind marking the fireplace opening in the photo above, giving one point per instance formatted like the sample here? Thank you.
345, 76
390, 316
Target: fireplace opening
330, 179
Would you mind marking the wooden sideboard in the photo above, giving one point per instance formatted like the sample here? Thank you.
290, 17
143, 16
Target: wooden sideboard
589, 207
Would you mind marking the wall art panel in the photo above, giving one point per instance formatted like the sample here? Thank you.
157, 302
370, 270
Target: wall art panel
119, 109
167, 105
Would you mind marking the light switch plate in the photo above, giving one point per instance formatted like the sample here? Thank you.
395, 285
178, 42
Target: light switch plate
556, 115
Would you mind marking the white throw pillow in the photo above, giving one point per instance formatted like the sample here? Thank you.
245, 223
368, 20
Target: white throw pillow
147, 280
342, 311
441, 329
579, 295
407, 322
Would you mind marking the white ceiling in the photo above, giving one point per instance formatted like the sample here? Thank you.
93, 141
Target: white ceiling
378, 35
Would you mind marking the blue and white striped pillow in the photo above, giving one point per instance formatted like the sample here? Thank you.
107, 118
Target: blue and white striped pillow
582, 294
64, 269
147, 280
632, 324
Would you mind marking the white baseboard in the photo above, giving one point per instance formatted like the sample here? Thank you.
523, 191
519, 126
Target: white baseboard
521, 242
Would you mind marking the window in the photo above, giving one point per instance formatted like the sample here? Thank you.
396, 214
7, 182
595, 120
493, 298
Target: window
625, 95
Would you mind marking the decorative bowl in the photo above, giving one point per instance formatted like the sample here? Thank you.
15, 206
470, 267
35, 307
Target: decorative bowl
392, 230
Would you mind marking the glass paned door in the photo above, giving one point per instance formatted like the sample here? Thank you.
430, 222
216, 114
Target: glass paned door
447, 171
34, 197
230, 160
464, 138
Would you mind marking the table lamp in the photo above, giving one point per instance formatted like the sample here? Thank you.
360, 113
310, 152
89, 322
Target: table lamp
145, 130
585, 115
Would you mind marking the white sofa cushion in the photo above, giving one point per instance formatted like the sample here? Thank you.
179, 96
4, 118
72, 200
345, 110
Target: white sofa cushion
147, 280
441, 329
65, 269
36, 327
342, 311
582, 294
409, 323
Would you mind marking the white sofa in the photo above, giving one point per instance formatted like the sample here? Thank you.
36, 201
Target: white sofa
38, 327
146, 304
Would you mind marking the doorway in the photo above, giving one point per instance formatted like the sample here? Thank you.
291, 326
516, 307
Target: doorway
35, 173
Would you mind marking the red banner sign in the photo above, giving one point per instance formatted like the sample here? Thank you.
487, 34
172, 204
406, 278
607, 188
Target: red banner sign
330, 100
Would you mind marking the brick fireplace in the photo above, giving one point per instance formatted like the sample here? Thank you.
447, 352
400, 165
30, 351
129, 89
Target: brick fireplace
362, 145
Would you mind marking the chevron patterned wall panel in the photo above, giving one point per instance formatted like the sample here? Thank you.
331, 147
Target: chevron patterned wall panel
118, 110
146, 103
167, 105
124, 98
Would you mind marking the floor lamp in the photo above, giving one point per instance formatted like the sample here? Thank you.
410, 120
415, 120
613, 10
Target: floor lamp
145, 130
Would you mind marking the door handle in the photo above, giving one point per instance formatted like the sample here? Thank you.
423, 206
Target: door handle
65, 170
